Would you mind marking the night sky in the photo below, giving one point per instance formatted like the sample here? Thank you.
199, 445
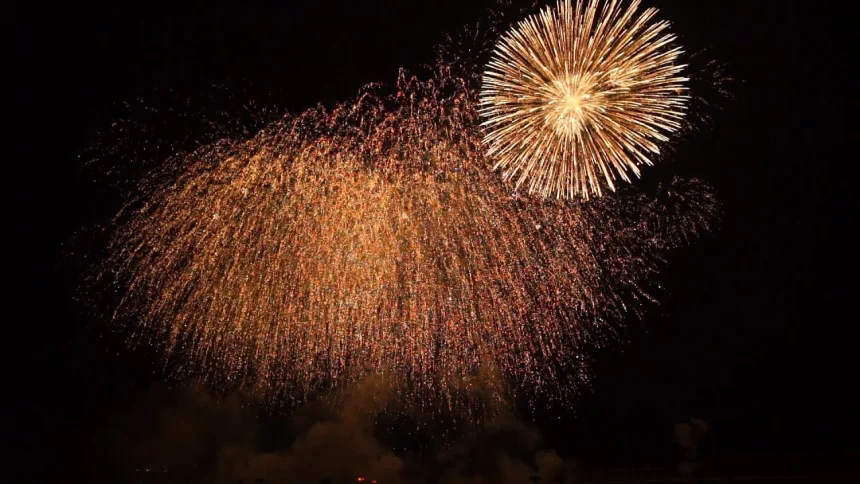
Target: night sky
753, 331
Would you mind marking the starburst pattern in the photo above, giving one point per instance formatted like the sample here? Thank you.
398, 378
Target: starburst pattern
579, 96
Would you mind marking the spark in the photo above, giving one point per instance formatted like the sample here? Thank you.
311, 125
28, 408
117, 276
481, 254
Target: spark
576, 97
371, 239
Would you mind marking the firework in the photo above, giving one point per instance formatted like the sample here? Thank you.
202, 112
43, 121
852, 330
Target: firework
579, 96
371, 239
682, 212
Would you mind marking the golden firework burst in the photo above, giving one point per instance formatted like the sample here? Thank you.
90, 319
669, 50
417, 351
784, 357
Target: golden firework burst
579, 96
372, 239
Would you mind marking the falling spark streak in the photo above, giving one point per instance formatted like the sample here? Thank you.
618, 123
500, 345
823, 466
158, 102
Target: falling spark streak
372, 239
579, 96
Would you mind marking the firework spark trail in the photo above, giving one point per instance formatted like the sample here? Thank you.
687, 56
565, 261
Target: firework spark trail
683, 211
372, 239
579, 96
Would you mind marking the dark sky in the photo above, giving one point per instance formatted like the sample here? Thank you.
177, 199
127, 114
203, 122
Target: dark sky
754, 333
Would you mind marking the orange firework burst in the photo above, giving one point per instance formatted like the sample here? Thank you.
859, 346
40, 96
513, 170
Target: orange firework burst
371, 239
575, 97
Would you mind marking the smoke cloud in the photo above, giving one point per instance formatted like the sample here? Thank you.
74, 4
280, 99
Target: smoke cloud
193, 434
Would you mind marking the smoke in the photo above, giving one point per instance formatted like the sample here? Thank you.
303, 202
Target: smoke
338, 446
220, 439
506, 450
689, 437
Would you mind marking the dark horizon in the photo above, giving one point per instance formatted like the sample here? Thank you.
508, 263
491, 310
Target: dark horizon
752, 333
